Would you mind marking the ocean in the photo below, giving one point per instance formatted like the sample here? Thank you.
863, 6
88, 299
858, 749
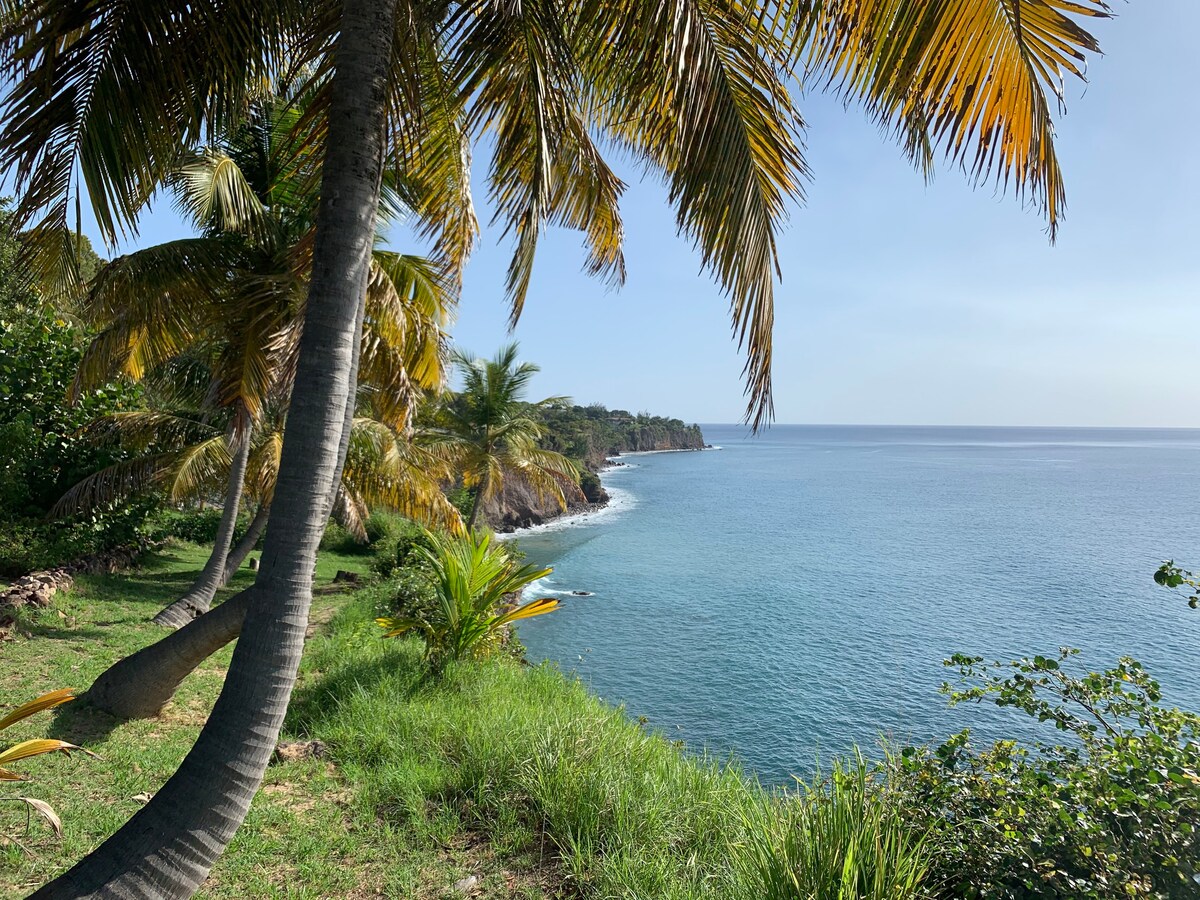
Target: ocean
788, 596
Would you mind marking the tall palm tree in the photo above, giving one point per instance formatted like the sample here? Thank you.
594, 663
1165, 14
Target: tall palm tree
488, 431
694, 89
238, 291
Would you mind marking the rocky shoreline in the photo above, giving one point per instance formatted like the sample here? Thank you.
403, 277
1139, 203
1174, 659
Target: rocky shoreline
518, 509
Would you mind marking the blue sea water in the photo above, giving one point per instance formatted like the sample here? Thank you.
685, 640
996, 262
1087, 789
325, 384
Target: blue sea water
790, 595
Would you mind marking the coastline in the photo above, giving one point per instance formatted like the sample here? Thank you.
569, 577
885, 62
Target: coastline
618, 500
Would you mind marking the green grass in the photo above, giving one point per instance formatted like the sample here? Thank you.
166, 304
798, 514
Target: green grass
512, 774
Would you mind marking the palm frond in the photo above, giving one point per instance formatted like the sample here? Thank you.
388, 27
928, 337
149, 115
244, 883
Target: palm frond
200, 469
515, 62
120, 481
695, 89
971, 78
212, 190
165, 72
151, 305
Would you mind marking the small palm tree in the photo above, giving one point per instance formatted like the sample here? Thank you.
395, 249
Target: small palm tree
473, 579
490, 434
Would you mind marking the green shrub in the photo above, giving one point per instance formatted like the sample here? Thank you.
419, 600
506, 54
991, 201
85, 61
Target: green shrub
194, 525
399, 548
589, 483
475, 581
28, 545
1112, 813
844, 838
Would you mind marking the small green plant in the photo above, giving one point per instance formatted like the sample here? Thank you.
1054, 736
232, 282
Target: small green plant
473, 578
1111, 812
842, 838
37, 747
1171, 576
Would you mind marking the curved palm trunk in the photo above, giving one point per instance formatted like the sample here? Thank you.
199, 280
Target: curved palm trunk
167, 848
199, 598
140, 685
249, 541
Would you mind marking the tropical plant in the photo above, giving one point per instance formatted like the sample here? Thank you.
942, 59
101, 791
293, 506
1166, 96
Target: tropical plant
1113, 811
491, 434
474, 578
841, 838
222, 312
36, 747
695, 90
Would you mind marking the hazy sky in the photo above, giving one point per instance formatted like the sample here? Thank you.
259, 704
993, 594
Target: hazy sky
903, 302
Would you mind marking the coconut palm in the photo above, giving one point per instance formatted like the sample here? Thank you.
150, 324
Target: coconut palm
693, 89
237, 292
490, 433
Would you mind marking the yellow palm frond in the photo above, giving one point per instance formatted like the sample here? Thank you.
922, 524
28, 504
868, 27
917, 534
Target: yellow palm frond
213, 191
203, 467
969, 77
696, 89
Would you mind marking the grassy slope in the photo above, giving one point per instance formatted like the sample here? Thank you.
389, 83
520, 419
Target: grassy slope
507, 773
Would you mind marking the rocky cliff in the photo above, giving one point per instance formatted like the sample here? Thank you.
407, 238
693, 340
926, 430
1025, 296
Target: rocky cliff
590, 435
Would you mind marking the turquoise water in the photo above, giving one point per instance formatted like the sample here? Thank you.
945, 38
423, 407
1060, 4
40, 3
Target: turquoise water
793, 594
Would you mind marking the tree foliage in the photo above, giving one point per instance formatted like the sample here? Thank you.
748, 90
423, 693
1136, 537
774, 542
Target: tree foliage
1112, 811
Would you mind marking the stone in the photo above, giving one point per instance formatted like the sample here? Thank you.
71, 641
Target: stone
465, 885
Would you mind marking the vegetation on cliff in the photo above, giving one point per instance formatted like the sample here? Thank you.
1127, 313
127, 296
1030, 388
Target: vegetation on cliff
593, 433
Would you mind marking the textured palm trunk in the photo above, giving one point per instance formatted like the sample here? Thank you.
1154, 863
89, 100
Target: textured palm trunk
166, 850
477, 504
249, 541
198, 600
140, 685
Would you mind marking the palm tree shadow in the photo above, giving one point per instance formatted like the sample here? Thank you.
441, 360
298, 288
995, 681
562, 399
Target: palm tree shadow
81, 723
316, 704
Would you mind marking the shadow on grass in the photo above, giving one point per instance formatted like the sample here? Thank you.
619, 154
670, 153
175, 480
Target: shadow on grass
81, 723
66, 634
316, 704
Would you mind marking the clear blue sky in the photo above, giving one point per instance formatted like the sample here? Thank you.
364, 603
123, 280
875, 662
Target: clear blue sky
907, 303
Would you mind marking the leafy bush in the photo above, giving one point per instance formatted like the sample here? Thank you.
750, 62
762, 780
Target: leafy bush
41, 448
473, 577
1112, 813
197, 526
844, 838
29, 545
400, 548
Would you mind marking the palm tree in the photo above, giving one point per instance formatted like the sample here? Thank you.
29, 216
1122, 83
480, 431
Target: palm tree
237, 291
694, 89
490, 434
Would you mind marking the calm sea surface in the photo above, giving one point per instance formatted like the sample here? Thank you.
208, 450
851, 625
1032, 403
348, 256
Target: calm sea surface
793, 594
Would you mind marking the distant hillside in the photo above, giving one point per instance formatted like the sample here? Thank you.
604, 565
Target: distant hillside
593, 433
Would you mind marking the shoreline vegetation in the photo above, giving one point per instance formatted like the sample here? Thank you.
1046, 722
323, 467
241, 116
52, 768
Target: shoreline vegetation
499, 780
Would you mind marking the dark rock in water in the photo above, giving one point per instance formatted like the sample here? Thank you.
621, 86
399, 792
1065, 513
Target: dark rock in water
582, 594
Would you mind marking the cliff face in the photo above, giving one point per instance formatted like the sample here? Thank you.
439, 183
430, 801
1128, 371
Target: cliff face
590, 441
519, 506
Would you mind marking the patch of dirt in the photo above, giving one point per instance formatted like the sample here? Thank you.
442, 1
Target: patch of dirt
533, 873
